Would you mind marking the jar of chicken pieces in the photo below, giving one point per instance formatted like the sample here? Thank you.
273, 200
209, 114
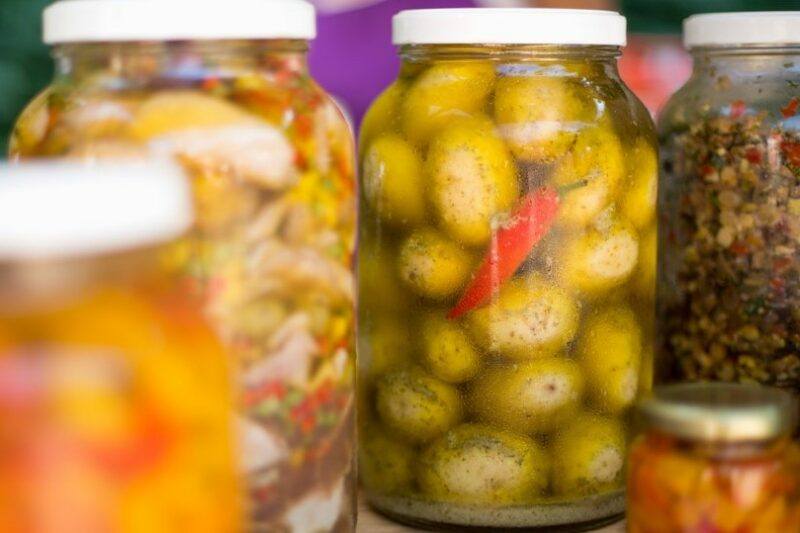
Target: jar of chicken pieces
507, 255
224, 88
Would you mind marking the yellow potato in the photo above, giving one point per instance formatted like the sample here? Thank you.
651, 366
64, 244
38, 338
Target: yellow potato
381, 116
477, 464
609, 351
416, 405
588, 456
533, 397
432, 265
601, 259
598, 158
172, 111
638, 203
530, 318
446, 350
385, 464
442, 92
539, 116
644, 280
472, 178
393, 181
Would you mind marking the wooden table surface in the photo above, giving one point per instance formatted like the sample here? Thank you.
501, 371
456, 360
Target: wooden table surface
371, 522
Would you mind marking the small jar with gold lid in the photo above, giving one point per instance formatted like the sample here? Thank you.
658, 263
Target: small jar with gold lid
715, 457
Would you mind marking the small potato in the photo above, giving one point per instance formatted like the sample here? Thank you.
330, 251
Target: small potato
609, 351
416, 405
639, 201
532, 397
472, 178
444, 91
540, 116
379, 286
393, 181
477, 464
596, 157
588, 456
530, 318
601, 259
381, 115
383, 344
432, 265
386, 465
644, 280
446, 350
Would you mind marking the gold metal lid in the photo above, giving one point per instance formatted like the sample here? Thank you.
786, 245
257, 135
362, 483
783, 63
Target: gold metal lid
720, 412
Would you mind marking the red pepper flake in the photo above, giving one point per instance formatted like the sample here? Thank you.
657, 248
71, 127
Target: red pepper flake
707, 170
791, 151
304, 125
753, 155
791, 108
739, 248
738, 107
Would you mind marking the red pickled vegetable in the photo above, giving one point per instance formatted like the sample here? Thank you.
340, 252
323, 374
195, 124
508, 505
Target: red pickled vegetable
738, 108
791, 108
511, 243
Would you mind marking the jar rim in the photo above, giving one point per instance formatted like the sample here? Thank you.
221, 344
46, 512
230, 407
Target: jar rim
742, 29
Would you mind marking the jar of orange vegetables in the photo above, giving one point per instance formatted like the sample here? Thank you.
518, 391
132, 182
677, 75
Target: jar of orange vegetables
507, 267
115, 400
715, 457
224, 88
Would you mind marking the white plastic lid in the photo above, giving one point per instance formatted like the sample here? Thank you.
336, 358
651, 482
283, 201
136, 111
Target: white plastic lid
730, 29
63, 209
69, 21
509, 26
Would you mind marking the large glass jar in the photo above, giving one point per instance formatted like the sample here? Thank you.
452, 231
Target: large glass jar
224, 87
116, 405
715, 457
506, 270
730, 205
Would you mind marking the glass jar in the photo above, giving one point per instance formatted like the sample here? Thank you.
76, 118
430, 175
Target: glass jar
116, 405
715, 457
730, 204
506, 270
224, 88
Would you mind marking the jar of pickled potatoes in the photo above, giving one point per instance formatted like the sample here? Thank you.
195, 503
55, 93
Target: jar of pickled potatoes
224, 88
507, 255
116, 406
715, 457
729, 276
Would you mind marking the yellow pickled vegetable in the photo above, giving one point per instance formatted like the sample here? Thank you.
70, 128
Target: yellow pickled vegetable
385, 464
381, 116
171, 111
393, 181
644, 280
447, 351
530, 318
432, 265
477, 464
384, 346
609, 351
416, 405
379, 284
639, 200
533, 397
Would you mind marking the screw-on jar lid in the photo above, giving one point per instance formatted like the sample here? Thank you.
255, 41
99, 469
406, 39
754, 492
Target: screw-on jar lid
53, 210
509, 26
721, 412
70, 21
744, 28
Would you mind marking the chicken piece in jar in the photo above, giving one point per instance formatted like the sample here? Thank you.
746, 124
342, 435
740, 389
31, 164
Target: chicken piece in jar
385, 464
533, 397
416, 405
432, 265
478, 464
447, 351
530, 318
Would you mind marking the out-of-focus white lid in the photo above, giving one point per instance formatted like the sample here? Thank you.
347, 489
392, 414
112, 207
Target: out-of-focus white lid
60, 209
69, 21
731, 29
509, 26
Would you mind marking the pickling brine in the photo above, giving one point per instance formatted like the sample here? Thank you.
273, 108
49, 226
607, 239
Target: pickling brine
507, 270
272, 166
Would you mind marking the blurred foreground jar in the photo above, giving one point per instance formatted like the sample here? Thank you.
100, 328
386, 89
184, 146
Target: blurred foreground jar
506, 270
729, 240
116, 406
224, 88
715, 457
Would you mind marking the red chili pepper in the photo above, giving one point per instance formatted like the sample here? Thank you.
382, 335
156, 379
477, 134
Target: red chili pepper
791, 150
791, 108
511, 243
738, 108
753, 155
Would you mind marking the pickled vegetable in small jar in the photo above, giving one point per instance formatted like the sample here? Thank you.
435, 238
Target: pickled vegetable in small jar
223, 87
715, 457
116, 406
730, 194
507, 267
